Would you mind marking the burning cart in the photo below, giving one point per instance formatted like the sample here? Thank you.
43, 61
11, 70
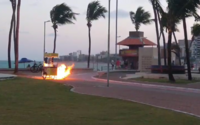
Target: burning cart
49, 67
52, 70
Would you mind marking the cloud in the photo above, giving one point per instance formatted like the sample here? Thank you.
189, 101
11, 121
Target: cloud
24, 32
121, 14
52, 35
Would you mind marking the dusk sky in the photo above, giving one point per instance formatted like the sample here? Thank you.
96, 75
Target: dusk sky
71, 37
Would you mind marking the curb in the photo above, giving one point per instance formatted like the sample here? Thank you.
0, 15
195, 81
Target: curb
160, 107
152, 86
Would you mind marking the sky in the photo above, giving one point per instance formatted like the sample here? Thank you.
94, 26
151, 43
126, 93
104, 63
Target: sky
72, 37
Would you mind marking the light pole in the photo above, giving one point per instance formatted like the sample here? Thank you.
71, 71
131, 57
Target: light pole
117, 40
116, 32
45, 35
108, 58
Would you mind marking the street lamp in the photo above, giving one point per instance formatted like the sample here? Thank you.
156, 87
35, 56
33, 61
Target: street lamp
45, 34
108, 58
117, 39
116, 35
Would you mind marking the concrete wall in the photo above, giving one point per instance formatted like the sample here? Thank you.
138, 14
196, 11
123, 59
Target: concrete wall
148, 57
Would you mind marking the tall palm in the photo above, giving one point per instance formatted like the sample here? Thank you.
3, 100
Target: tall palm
161, 32
94, 11
13, 4
164, 23
169, 20
17, 37
154, 3
61, 14
140, 17
184, 9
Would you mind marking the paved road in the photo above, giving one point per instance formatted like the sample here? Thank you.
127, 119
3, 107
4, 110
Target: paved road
180, 99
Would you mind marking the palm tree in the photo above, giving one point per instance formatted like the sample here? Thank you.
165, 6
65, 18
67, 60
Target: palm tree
184, 9
94, 11
17, 37
161, 32
154, 4
163, 24
13, 4
169, 20
140, 17
61, 14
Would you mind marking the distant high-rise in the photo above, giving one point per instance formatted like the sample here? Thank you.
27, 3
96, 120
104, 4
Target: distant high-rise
195, 48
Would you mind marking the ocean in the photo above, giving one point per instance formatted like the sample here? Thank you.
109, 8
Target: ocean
93, 65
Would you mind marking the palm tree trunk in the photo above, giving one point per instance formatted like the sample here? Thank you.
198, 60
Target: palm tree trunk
89, 49
14, 29
9, 40
164, 41
170, 74
54, 47
187, 49
179, 57
17, 37
157, 32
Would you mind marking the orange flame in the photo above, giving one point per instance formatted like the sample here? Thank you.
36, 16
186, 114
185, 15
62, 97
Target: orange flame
62, 71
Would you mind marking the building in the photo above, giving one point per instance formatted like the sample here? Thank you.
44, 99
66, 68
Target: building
135, 41
195, 48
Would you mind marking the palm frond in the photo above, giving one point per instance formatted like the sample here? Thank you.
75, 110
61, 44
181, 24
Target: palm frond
62, 14
95, 10
140, 17
195, 29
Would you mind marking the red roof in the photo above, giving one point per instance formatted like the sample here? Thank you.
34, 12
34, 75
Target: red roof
136, 41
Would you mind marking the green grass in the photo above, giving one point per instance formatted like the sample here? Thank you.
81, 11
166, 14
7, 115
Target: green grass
163, 80
39, 102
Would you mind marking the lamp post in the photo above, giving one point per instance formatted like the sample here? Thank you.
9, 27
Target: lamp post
117, 40
116, 32
45, 34
108, 58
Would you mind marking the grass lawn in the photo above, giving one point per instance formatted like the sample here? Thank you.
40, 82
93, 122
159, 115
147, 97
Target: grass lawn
39, 102
162, 80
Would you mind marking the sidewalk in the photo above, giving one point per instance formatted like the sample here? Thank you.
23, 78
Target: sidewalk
6, 76
117, 77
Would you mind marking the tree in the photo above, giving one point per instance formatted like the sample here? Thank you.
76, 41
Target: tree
183, 9
13, 4
168, 20
17, 37
154, 4
60, 15
164, 23
140, 17
94, 11
162, 33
